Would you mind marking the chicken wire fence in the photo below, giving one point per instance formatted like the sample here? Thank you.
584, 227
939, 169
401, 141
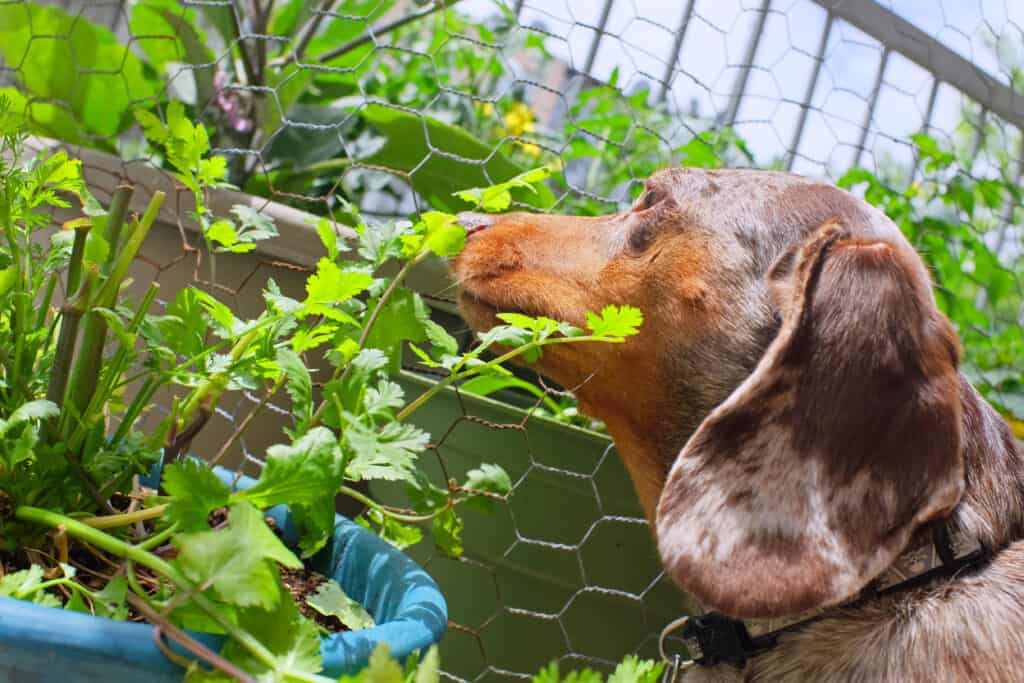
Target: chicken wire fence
392, 105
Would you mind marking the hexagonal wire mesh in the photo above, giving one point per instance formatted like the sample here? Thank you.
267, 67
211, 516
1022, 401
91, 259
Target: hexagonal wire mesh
392, 104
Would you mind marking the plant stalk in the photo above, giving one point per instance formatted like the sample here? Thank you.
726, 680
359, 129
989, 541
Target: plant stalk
125, 518
90, 352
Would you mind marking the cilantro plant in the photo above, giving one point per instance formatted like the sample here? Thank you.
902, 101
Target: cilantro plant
196, 553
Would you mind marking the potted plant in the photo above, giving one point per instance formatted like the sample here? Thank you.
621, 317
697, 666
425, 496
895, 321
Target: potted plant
87, 537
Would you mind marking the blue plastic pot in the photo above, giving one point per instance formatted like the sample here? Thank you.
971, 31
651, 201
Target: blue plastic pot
44, 644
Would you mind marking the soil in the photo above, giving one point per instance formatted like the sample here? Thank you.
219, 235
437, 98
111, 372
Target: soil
95, 569
302, 583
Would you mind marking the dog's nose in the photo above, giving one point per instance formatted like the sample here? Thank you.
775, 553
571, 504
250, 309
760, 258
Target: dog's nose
473, 221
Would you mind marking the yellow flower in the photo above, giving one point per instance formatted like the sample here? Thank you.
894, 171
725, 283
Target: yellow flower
532, 150
487, 109
519, 119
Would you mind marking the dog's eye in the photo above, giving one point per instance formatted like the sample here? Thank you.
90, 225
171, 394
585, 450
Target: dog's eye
645, 201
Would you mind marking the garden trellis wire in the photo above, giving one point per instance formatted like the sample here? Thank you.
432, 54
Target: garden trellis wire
392, 104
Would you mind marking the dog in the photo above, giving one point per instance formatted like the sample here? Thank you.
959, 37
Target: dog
791, 414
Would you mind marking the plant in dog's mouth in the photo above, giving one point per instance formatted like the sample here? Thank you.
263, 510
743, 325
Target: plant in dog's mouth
197, 554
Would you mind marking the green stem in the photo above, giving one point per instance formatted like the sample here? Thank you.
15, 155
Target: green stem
90, 352
127, 551
128, 252
343, 370
209, 392
451, 379
113, 371
157, 540
366, 500
125, 518
44, 305
77, 256
71, 316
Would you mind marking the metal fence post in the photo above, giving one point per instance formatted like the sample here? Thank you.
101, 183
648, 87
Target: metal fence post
677, 45
741, 79
601, 24
805, 105
869, 115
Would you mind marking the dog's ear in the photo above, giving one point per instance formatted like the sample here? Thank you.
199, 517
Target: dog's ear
808, 481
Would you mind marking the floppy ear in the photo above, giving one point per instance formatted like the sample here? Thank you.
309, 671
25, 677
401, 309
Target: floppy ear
808, 481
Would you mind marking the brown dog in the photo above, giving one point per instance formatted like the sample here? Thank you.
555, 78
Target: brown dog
791, 415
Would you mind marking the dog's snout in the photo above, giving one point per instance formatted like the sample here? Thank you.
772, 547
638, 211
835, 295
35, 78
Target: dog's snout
473, 221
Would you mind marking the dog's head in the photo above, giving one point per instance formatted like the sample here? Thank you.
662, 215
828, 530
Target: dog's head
790, 410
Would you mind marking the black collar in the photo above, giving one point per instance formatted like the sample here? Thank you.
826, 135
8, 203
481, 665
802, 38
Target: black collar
714, 638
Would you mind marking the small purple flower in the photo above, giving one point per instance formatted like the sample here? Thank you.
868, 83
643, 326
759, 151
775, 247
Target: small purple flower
232, 103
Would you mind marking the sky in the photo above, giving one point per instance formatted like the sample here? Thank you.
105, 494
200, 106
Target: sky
640, 36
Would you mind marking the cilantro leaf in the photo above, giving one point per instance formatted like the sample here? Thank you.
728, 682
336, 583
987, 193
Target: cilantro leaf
307, 472
443, 235
299, 386
499, 197
488, 478
447, 529
331, 600
615, 321
331, 285
25, 583
195, 491
388, 452
400, 535
632, 669
380, 669
237, 562
292, 638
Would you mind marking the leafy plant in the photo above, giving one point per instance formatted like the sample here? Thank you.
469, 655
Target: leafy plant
63, 391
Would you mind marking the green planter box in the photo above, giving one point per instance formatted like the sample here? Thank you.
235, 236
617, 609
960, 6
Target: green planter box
566, 570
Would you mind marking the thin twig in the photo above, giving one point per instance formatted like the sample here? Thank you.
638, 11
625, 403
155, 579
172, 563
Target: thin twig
372, 34
306, 34
245, 423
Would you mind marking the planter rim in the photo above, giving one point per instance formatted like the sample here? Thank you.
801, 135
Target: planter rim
410, 611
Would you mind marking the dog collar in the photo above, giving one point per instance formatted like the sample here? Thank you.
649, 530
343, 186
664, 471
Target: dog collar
714, 638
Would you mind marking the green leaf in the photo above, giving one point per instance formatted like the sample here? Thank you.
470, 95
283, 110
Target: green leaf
380, 669
386, 453
401, 319
299, 386
331, 285
443, 235
111, 601
237, 562
632, 669
331, 600
615, 321
195, 491
292, 638
424, 496
408, 141
447, 529
28, 412
488, 478
23, 585
328, 237
167, 33
109, 77
498, 197
307, 472
400, 535
429, 670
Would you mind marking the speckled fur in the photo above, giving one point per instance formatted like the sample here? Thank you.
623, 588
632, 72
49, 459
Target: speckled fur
702, 280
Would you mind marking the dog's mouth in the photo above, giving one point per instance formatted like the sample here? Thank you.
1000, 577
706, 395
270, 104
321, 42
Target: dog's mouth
482, 313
